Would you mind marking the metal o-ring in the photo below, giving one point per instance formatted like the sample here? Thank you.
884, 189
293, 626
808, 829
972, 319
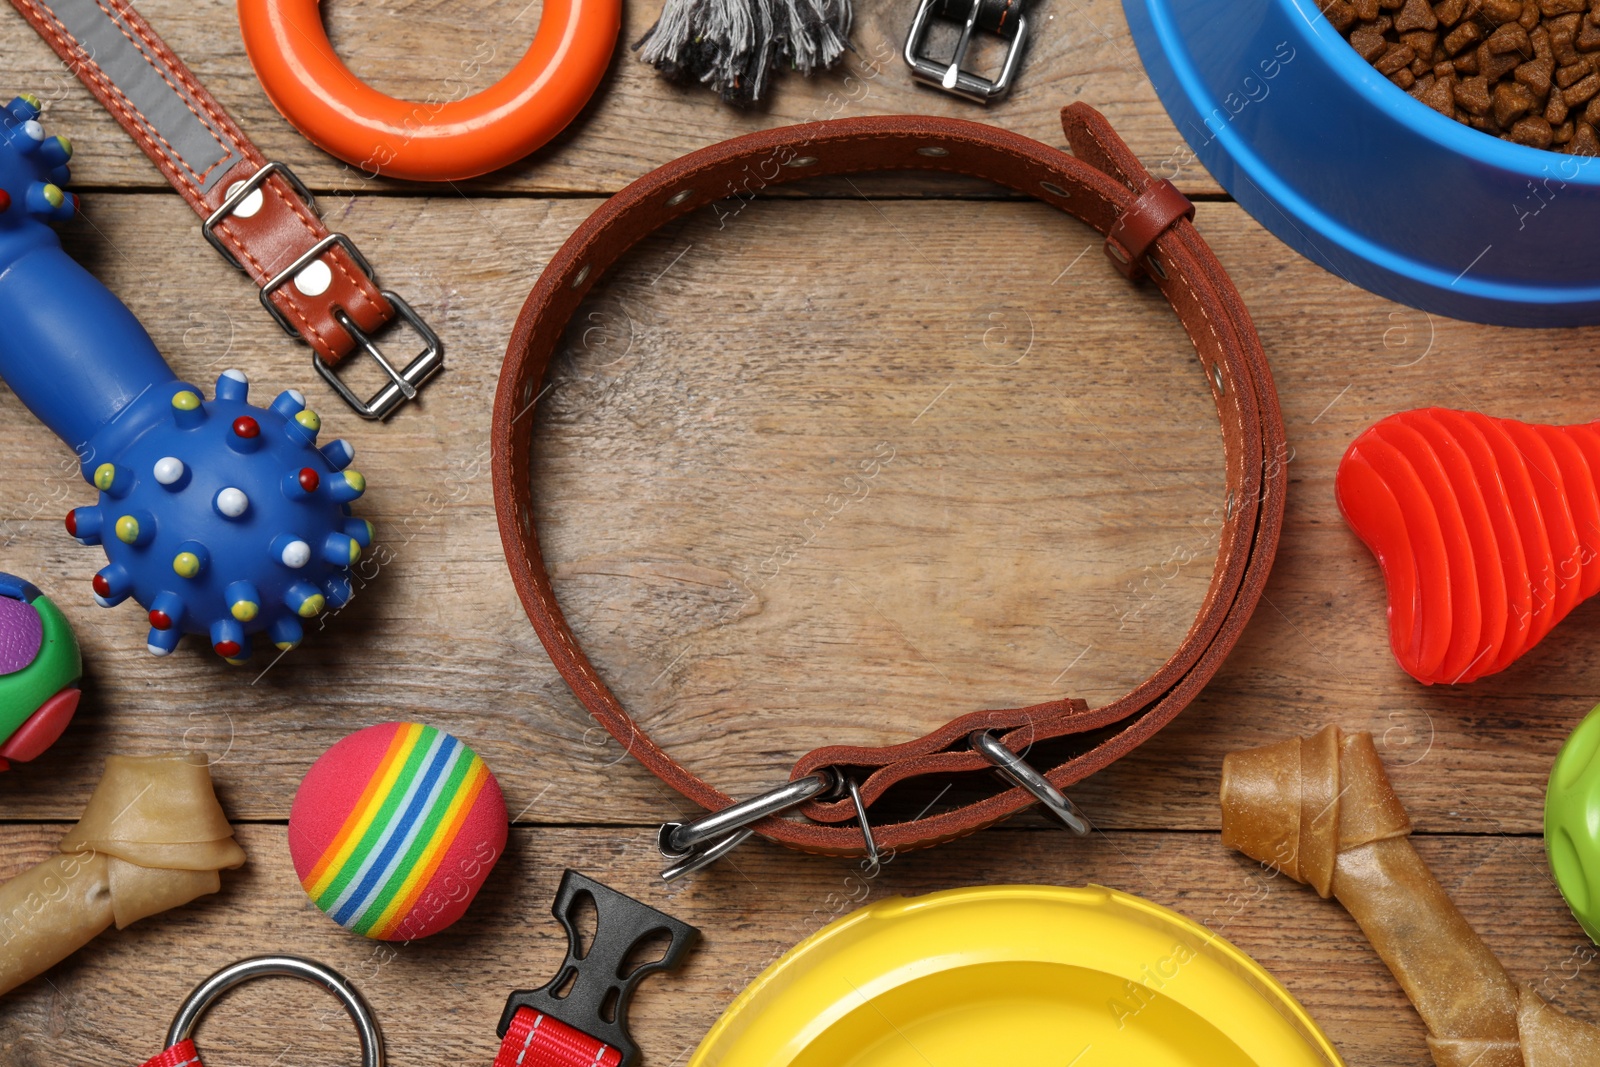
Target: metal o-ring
208, 992
694, 860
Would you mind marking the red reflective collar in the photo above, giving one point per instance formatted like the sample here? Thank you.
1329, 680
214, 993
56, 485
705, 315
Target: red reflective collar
533, 1040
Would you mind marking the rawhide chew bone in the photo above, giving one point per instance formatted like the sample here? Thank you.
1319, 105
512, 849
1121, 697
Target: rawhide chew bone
1322, 810
152, 838
1487, 530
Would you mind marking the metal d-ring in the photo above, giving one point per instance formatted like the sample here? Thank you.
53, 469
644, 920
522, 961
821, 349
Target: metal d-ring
1021, 773
207, 993
866, 827
701, 842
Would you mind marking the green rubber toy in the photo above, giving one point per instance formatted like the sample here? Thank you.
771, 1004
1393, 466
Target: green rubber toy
1572, 823
40, 665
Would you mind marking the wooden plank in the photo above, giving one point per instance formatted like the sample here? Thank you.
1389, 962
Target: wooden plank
438, 1000
431, 52
707, 427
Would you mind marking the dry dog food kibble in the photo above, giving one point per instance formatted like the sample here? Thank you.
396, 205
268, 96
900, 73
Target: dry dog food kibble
1524, 70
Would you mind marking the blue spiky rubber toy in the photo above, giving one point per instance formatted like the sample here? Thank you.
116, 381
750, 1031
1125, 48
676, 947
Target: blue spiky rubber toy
218, 517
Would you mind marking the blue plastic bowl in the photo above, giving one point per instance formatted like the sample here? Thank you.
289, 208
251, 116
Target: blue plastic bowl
1362, 179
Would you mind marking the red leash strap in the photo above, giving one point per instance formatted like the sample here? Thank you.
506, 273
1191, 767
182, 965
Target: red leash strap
535, 1039
595, 987
182, 1054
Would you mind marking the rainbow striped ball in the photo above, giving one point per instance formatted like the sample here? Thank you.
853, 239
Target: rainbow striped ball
394, 830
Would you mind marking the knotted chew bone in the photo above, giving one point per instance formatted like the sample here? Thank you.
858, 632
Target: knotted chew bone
1322, 810
152, 838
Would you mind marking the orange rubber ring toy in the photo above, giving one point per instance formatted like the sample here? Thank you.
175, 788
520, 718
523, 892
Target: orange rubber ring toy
339, 113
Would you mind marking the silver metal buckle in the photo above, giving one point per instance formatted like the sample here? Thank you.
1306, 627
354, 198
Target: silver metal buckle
949, 76
691, 846
403, 384
237, 197
1020, 772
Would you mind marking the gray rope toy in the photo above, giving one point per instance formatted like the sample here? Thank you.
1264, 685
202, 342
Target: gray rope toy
735, 46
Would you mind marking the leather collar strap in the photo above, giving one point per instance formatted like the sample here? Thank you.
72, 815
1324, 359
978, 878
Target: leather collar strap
1102, 184
258, 215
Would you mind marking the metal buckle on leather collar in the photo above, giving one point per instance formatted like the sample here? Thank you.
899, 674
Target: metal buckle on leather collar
237, 195
692, 846
403, 384
949, 76
311, 255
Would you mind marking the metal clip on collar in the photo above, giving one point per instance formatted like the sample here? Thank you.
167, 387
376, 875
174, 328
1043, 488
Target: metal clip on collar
208, 992
693, 845
1003, 18
403, 384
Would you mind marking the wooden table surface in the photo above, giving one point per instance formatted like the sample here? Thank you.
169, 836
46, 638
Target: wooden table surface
1040, 530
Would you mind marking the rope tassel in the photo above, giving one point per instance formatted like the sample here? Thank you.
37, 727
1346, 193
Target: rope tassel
734, 46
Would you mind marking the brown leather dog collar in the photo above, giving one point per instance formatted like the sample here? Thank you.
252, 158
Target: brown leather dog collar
1148, 228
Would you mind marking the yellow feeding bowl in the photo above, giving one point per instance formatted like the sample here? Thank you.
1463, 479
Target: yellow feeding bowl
1015, 975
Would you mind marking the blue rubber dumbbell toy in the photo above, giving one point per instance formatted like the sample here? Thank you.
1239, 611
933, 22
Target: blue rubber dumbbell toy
218, 517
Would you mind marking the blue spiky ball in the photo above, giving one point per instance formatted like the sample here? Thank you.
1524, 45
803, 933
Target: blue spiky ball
33, 165
223, 519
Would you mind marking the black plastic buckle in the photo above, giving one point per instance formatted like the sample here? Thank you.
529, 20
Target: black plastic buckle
991, 15
595, 991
